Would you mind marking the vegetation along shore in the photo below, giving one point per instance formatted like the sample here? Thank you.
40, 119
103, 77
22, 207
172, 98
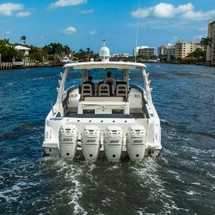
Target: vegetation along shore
19, 55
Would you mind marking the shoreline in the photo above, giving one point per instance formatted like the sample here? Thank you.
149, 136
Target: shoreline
10, 66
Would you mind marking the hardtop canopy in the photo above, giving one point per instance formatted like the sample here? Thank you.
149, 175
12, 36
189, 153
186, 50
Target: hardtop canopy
105, 65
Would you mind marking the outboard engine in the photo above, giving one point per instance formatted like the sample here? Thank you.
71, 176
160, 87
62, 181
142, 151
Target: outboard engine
136, 142
113, 143
68, 139
91, 142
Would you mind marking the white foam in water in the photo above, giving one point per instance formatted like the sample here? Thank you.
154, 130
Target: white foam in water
15, 191
209, 174
176, 175
1, 179
191, 192
71, 174
16, 188
151, 179
36, 79
196, 183
165, 121
193, 151
7, 195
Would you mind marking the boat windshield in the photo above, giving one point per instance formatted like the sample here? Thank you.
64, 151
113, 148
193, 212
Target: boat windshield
101, 74
135, 76
75, 77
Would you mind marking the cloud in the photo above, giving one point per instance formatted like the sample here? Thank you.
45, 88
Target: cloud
163, 24
69, 31
7, 9
142, 13
92, 33
10, 9
197, 38
67, 3
184, 8
202, 29
87, 11
5, 32
8, 32
23, 14
164, 10
199, 15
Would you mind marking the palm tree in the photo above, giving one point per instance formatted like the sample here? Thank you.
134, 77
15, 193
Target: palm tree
206, 42
23, 38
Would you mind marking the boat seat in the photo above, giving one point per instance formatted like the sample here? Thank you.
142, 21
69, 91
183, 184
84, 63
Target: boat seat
122, 90
86, 90
104, 90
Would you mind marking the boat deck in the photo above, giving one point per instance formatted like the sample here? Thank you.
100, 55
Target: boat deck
91, 115
105, 106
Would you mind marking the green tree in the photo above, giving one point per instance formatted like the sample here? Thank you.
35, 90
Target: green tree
55, 51
23, 38
56, 48
7, 53
82, 55
36, 53
198, 53
66, 49
4, 42
206, 42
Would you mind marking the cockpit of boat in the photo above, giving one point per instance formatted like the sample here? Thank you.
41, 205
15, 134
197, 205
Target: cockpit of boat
126, 99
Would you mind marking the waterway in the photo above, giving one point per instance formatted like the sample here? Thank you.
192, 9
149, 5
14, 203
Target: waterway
180, 181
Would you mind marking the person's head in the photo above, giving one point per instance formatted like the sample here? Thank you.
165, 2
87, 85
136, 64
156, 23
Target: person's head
108, 74
90, 78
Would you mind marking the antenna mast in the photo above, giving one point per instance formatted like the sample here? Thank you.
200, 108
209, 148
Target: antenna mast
137, 33
103, 46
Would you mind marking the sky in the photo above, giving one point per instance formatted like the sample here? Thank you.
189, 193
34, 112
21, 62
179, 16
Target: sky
123, 24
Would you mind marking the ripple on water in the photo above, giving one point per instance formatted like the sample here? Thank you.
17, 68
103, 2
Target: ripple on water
179, 181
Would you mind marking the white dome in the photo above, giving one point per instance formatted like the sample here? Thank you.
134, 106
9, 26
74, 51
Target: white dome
104, 53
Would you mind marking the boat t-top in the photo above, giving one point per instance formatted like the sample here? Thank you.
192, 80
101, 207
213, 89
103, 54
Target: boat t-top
112, 119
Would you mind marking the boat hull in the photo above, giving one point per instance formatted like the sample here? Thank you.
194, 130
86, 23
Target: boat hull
101, 142
92, 123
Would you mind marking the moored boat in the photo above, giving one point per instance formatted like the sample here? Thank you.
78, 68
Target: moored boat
103, 119
65, 60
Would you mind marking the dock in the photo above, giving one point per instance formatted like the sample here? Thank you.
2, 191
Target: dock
6, 65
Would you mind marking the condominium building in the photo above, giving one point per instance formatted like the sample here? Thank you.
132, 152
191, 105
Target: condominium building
167, 50
183, 49
144, 51
210, 53
162, 50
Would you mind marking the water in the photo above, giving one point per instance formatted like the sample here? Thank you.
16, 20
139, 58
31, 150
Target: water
180, 181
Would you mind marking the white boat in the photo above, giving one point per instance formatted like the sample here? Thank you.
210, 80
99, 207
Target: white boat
93, 123
65, 60
18, 62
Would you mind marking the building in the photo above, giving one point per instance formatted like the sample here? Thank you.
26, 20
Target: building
210, 53
144, 51
167, 50
23, 49
183, 49
162, 50
170, 53
22, 60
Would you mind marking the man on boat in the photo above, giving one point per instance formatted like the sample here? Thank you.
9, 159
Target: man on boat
90, 81
111, 81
